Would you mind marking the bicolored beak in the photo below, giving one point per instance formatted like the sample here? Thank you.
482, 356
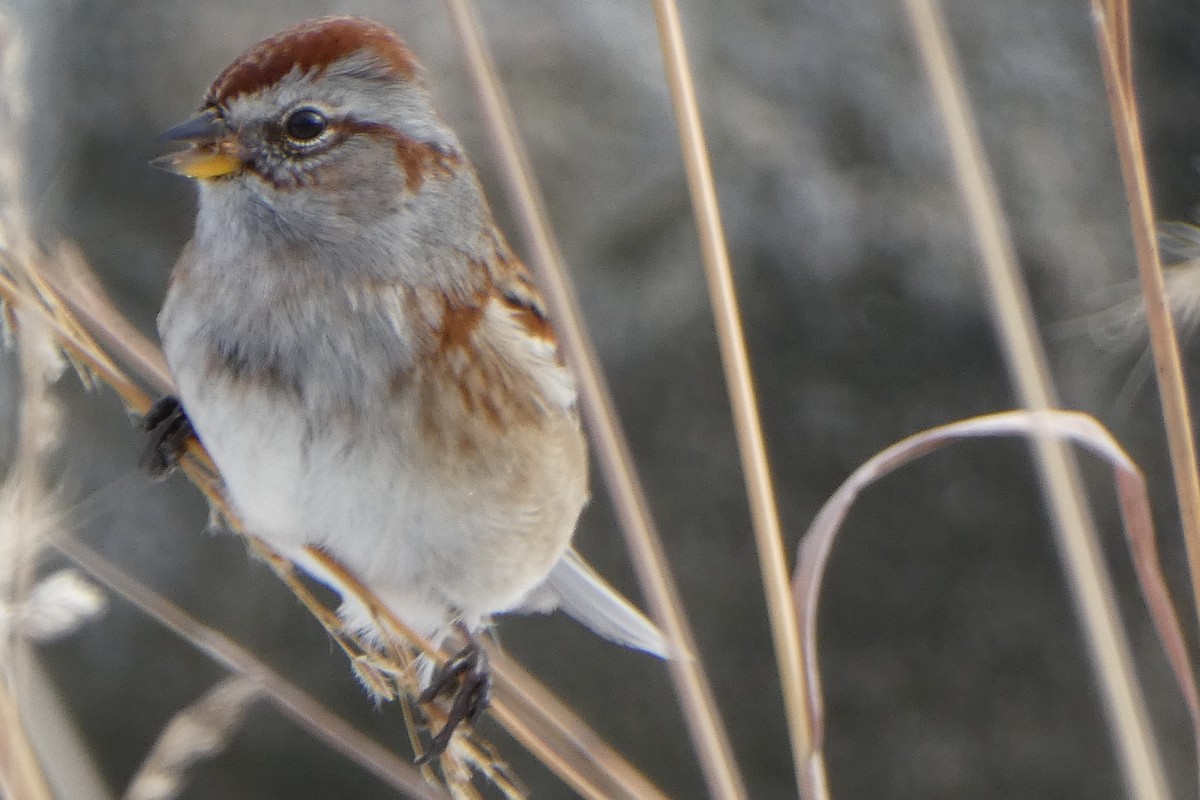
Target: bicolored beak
214, 152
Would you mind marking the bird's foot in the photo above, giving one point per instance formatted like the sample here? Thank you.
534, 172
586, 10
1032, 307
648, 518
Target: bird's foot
465, 676
169, 429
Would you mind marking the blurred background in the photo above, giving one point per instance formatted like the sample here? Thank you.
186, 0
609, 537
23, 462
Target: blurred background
953, 666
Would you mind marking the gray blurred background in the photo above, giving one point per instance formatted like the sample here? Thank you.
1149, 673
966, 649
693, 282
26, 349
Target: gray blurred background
953, 666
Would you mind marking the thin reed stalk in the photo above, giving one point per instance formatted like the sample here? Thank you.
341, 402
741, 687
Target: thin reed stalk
692, 687
21, 775
73, 772
1111, 19
764, 513
1079, 549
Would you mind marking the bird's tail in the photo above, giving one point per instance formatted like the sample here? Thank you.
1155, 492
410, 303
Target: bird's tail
579, 591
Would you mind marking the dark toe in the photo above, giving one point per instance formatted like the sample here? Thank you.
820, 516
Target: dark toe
169, 430
468, 677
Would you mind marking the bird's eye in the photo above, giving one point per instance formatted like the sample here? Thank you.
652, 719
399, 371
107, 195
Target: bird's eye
305, 124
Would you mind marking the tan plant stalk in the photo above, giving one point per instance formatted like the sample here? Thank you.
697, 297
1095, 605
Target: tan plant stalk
21, 775
28, 518
1111, 19
764, 514
692, 687
73, 771
1079, 549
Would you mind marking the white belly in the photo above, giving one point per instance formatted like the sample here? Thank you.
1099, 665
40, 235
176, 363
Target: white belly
430, 541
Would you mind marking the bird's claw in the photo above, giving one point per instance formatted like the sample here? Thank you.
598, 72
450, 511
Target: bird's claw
169, 429
467, 676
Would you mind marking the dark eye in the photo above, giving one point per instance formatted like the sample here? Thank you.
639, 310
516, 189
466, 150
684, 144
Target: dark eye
305, 124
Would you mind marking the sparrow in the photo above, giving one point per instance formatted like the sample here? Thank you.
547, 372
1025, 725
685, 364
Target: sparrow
369, 365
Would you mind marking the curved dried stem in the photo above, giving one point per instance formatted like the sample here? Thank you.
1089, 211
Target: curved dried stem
1074, 427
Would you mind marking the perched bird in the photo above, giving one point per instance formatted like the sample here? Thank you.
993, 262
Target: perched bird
368, 364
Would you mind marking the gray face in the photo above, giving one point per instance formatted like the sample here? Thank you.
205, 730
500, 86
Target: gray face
299, 122
349, 167
335, 131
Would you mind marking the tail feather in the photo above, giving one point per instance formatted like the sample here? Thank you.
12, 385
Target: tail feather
580, 592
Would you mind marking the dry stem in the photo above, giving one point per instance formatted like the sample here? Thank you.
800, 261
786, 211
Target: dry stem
1111, 19
1079, 549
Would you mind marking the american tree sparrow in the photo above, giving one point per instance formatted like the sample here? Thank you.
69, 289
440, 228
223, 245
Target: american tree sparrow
368, 364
